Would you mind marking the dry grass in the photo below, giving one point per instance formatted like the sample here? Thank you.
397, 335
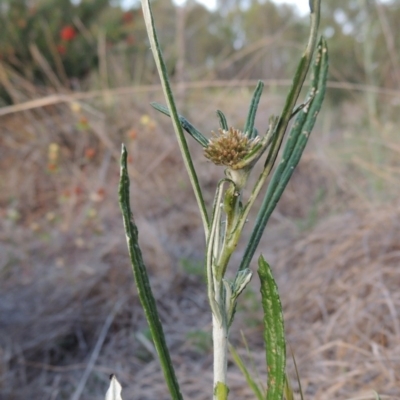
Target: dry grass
68, 305
342, 304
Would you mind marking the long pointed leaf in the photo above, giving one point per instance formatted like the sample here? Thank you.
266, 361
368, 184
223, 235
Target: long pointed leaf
288, 391
142, 281
301, 129
297, 377
294, 147
274, 334
223, 123
249, 126
297, 84
186, 125
250, 381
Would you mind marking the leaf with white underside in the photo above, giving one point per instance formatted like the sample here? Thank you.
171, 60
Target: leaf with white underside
114, 391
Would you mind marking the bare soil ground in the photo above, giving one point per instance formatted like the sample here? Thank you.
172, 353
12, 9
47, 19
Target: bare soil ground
69, 312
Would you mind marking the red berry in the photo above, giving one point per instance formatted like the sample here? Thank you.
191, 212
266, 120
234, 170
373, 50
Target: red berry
68, 33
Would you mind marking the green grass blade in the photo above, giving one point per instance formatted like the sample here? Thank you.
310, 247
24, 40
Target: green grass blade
294, 147
223, 123
297, 377
142, 282
246, 346
250, 381
288, 391
186, 125
162, 71
274, 334
249, 126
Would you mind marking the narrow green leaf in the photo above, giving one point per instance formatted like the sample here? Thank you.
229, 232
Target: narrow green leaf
298, 377
142, 281
288, 391
301, 129
249, 126
240, 282
250, 381
162, 71
221, 391
213, 248
222, 120
274, 334
297, 84
293, 150
186, 125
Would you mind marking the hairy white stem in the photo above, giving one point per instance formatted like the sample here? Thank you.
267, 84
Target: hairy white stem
220, 344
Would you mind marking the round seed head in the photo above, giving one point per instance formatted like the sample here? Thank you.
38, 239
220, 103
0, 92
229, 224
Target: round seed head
229, 147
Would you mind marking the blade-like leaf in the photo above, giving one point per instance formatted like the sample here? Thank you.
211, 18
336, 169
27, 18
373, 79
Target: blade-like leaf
142, 281
222, 120
294, 147
297, 84
297, 376
186, 125
288, 391
249, 126
250, 381
301, 129
114, 390
274, 334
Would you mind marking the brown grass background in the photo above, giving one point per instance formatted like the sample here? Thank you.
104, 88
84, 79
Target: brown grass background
69, 311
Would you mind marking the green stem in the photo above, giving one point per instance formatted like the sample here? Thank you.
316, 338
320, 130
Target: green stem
212, 249
215, 288
162, 71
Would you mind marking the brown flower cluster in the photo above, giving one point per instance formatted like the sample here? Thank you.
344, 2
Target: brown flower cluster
229, 147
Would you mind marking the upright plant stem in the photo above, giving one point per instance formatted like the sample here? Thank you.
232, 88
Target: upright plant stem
220, 344
162, 71
228, 215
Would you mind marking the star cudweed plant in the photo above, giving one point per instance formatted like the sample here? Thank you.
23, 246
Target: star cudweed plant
237, 151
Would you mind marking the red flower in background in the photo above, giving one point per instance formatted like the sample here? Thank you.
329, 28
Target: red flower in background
68, 33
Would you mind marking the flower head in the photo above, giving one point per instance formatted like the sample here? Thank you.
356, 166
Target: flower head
230, 147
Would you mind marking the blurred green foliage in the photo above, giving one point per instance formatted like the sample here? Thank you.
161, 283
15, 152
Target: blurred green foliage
58, 43
200, 340
59, 30
240, 39
193, 267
